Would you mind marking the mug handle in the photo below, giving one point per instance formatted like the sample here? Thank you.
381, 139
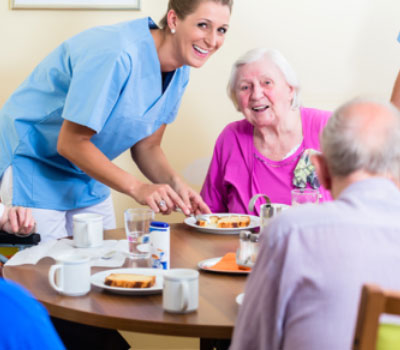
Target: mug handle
254, 199
52, 273
185, 295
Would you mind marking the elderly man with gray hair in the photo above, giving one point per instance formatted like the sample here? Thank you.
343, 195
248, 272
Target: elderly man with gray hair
304, 290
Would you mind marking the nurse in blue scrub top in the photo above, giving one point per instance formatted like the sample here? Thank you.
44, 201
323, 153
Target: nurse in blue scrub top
103, 91
396, 89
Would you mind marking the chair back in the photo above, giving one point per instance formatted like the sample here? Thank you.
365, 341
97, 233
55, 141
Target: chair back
374, 302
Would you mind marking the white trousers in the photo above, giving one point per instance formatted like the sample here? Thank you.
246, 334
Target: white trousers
54, 224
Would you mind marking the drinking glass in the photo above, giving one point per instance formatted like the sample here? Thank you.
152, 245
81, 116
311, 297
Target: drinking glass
137, 228
304, 195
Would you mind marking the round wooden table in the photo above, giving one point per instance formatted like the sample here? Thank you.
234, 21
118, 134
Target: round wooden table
213, 320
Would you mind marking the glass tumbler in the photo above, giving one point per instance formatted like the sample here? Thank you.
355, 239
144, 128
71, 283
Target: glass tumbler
137, 229
304, 195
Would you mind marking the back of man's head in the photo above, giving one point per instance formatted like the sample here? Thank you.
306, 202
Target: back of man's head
363, 135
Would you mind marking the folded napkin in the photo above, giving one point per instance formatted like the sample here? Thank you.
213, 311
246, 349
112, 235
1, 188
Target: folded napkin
228, 263
57, 248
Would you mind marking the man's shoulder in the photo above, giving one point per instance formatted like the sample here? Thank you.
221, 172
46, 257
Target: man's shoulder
312, 219
308, 215
350, 210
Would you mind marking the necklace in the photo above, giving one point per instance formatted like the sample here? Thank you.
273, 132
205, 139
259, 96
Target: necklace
282, 163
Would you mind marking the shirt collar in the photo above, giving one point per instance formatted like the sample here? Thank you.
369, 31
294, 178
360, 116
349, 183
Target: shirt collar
372, 187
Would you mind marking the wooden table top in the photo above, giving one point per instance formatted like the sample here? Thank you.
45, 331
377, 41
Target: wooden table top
214, 318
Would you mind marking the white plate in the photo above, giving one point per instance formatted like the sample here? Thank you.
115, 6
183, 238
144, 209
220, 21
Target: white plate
239, 299
254, 222
98, 278
210, 262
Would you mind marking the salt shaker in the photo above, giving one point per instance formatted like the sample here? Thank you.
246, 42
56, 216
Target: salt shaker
254, 246
244, 246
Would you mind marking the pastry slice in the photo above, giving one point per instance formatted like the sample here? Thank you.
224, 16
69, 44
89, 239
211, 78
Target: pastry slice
130, 280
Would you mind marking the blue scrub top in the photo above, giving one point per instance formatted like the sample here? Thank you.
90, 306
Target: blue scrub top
107, 78
26, 323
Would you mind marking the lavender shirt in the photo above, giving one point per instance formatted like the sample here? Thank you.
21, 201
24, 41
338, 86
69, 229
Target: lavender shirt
238, 170
304, 291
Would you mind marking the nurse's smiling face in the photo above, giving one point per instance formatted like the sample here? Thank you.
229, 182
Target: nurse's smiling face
200, 33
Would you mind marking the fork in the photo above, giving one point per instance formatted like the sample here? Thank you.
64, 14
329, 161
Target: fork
110, 254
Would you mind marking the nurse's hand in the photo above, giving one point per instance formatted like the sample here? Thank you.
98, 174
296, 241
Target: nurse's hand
18, 220
160, 198
191, 199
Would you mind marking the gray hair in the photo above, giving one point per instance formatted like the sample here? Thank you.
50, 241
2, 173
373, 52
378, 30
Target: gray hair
184, 8
348, 147
276, 58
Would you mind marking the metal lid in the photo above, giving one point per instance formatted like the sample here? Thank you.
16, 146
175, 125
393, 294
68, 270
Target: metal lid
159, 224
245, 235
267, 211
254, 237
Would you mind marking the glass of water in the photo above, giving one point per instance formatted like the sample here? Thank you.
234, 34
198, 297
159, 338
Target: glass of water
304, 195
137, 228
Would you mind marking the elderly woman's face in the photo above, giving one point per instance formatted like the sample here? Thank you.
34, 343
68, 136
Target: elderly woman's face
262, 93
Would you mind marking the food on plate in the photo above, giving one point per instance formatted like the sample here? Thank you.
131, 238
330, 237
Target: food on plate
227, 263
233, 221
229, 221
207, 220
130, 280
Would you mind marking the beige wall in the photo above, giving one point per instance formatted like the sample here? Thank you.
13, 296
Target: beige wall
339, 48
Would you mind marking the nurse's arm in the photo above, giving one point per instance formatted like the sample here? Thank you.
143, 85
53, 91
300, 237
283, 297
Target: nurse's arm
151, 160
396, 92
74, 143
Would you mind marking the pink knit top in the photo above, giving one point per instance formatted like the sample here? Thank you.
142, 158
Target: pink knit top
238, 171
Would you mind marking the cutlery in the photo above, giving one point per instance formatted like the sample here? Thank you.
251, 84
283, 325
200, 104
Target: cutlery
109, 255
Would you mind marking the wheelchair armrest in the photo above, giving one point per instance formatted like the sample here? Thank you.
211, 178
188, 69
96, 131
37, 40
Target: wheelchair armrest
7, 238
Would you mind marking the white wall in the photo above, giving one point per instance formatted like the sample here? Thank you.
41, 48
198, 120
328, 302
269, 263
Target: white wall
339, 49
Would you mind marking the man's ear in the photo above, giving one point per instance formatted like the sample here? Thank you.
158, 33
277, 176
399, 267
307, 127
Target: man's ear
322, 170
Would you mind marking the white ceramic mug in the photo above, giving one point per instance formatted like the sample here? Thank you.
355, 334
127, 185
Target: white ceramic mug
181, 290
88, 230
71, 275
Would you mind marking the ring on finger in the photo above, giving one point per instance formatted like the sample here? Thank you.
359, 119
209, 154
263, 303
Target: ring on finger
162, 203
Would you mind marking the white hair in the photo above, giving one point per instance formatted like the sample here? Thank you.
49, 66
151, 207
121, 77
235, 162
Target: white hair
348, 148
276, 58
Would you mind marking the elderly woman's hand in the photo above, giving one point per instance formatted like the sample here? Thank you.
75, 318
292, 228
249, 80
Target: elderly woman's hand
18, 220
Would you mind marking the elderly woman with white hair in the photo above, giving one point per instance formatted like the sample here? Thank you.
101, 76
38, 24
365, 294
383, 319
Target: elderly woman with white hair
260, 153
